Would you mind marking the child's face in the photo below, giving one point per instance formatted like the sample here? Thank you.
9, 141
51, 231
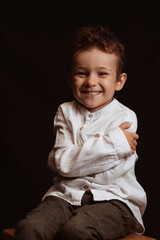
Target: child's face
94, 78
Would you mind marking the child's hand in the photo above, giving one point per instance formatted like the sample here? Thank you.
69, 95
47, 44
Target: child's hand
131, 137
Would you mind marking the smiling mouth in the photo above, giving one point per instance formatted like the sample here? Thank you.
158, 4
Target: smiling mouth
91, 93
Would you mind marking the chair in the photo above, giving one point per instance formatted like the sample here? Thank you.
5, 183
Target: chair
8, 234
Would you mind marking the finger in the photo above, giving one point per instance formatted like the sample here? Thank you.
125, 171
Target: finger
135, 143
133, 147
136, 136
132, 151
125, 125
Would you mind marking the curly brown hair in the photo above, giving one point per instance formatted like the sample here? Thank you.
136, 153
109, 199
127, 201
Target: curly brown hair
87, 37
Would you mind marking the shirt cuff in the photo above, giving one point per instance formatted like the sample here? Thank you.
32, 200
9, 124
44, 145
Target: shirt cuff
120, 143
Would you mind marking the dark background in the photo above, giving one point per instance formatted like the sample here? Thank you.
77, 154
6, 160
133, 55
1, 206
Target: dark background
33, 54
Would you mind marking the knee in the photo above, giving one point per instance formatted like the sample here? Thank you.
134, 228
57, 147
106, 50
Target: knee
70, 231
77, 229
27, 229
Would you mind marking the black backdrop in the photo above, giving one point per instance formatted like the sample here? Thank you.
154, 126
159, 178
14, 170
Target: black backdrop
33, 53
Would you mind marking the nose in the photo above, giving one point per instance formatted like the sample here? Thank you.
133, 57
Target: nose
91, 81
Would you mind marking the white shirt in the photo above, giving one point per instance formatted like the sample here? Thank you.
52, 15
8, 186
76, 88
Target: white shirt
92, 153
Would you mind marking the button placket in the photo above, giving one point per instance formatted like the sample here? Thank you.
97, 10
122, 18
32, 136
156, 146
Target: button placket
90, 115
97, 135
85, 187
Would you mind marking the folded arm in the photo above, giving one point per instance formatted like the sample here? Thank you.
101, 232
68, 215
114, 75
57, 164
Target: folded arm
93, 156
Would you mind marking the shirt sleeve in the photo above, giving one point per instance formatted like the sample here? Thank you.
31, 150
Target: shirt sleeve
93, 156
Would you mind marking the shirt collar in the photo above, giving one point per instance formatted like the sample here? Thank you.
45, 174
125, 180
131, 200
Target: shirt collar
98, 113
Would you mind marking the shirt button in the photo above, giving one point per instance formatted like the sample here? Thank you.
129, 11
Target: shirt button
97, 135
90, 115
85, 187
81, 128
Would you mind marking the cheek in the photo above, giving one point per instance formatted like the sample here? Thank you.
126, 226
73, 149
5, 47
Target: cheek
107, 84
75, 87
108, 87
77, 83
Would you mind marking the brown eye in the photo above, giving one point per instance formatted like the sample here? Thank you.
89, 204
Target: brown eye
81, 74
103, 73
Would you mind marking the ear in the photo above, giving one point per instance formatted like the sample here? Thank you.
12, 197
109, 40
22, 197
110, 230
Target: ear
121, 81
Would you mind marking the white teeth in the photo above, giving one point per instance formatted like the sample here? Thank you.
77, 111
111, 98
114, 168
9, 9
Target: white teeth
92, 93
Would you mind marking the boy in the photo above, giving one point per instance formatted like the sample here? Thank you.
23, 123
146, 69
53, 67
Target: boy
95, 193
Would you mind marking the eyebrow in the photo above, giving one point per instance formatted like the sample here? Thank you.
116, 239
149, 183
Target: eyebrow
79, 68
85, 69
104, 69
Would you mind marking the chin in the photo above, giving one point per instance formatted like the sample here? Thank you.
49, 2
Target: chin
91, 108
89, 105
